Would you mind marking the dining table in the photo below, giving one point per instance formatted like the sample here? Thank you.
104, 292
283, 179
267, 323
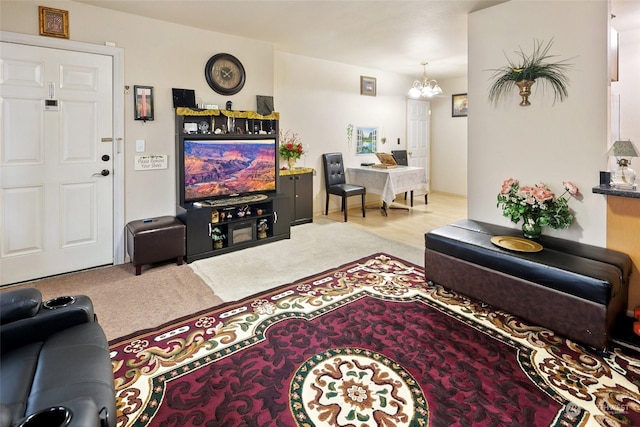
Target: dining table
388, 181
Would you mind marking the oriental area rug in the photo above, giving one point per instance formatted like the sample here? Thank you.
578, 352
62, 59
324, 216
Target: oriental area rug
371, 343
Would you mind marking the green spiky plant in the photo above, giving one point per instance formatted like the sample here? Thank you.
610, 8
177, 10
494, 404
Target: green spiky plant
531, 67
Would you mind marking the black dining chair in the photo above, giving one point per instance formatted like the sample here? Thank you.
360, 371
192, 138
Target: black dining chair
335, 182
402, 159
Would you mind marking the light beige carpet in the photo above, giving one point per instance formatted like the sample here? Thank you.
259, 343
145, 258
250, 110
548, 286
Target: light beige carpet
312, 249
126, 303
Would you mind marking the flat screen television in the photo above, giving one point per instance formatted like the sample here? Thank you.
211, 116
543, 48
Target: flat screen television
216, 169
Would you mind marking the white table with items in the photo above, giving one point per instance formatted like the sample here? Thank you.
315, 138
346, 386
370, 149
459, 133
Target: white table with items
388, 182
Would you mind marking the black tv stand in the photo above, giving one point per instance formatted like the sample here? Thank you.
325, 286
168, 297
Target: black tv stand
234, 221
238, 219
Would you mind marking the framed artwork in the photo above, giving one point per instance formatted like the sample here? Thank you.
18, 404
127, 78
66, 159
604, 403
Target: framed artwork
143, 103
265, 105
54, 22
459, 105
367, 86
366, 140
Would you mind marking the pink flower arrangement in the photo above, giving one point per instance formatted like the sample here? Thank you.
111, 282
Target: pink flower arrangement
536, 205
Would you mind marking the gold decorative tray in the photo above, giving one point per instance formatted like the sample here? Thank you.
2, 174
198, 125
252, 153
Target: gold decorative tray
517, 244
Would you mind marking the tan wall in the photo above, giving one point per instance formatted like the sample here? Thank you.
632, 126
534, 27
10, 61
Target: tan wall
623, 234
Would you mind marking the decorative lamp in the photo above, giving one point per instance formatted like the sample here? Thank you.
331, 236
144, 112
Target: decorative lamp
624, 177
424, 88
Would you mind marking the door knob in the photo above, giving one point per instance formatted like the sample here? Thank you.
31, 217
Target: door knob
103, 172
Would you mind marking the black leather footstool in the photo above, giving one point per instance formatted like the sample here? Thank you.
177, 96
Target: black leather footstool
154, 240
572, 288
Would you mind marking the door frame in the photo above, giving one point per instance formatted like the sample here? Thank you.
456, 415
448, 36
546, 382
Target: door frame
117, 133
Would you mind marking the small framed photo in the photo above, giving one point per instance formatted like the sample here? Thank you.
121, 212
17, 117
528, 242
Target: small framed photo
367, 86
459, 105
54, 22
143, 103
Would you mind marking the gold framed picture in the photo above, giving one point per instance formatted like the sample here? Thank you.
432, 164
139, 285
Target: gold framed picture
54, 22
367, 86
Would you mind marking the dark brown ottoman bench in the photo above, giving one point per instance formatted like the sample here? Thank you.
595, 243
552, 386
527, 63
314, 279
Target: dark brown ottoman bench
574, 289
154, 240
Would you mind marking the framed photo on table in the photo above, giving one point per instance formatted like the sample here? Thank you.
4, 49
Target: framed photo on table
143, 103
459, 105
368, 86
54, 22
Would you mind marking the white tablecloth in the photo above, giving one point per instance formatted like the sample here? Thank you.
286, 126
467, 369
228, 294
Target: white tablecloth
388, 182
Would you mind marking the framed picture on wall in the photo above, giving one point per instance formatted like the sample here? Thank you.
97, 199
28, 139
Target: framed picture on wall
143, 103
459, 105
54, 22
367, 86
366, 140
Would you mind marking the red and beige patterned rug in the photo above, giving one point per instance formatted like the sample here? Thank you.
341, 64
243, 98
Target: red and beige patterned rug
368, 344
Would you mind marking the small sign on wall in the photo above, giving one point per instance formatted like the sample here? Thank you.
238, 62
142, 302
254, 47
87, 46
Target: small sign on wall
151, 161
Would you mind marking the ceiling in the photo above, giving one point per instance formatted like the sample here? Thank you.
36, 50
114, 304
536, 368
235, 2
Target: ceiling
392, 35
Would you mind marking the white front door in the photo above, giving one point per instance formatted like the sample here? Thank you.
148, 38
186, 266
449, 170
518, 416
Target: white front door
419, 134
56, 161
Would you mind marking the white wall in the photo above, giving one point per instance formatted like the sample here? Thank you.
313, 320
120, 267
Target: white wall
449, 141
543, 142
318, 99
627, 88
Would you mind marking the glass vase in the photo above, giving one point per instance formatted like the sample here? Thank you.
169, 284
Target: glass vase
531, 229
292, 162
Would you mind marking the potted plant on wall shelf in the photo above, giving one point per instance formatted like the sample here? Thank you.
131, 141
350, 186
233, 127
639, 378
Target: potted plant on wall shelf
529, 69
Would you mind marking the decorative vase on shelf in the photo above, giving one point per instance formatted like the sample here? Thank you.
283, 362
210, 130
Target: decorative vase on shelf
531, 229
292, 162
525, 91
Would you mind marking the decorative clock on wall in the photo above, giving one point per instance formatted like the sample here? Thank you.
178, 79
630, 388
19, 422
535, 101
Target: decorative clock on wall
225, 74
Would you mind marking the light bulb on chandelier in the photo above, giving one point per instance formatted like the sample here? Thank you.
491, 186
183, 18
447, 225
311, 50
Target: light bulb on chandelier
424, 88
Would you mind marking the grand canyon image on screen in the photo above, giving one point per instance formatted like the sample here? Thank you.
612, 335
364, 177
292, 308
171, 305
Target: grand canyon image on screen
222, 168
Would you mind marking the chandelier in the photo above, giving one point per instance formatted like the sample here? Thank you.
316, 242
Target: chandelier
425, 88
